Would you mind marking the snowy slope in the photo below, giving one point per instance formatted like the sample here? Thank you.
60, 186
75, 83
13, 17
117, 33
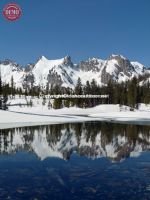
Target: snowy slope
42, 67
8, 70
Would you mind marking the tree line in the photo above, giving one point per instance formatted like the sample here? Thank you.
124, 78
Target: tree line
130, 93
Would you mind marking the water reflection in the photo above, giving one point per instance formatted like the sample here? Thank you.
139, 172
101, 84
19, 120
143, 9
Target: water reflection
93, 140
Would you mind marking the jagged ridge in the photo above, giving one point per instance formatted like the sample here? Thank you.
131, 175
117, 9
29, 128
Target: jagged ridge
65, 73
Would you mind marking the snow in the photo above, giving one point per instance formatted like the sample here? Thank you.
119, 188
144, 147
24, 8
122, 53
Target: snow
9, 71
121, 56
100, 61
139, 68
42, 68
86, 76
124, 116
144, 107
39, 114
111, 67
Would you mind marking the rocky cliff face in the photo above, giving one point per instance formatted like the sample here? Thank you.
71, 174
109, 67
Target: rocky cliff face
118, 68
93, 65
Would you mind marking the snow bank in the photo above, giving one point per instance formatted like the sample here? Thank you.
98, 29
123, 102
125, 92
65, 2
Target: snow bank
39, 114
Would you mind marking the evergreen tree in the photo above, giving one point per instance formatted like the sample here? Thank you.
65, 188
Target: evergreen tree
44, 100
67, 103
57, 90
132, 93
26, 85
78, 88
94, 87
47, 88
147, 93
87, 88
49, 105
0, 84
109, 91
78, 91
57, 104
12, 86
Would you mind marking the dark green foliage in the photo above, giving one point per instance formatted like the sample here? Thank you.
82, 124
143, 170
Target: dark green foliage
67, 103
132, 93
78, 91
57, 104
78, 88
87, 88
146, 92
12, 86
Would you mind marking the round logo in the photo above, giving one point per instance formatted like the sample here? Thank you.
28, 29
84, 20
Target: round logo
12, 12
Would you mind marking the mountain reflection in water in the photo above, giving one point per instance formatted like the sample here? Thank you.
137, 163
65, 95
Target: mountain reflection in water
92, 140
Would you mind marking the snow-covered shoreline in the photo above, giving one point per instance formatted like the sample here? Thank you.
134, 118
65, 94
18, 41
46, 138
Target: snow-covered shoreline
31, 116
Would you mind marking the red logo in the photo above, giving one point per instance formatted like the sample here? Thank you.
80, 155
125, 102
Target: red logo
12, 11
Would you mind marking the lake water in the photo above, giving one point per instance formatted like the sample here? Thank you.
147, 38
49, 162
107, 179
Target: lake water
75, 161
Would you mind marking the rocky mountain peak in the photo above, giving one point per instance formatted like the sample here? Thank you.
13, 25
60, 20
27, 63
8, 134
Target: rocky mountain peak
67, 61
9, 62
29, 67
122, 64
117, 57
92, 64
41, 59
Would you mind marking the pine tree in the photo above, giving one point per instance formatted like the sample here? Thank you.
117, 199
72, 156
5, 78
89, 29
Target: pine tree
47, 88
67, 103
147, 93
44, 100
78, 91
78, 88
49, 105
26, 85
94, 87
31, 103
0, 84
110, 91
87, 88
12, 86
57, 90
132, 93
57, 104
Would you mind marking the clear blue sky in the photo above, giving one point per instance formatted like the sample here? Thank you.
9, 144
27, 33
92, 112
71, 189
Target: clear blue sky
79, 28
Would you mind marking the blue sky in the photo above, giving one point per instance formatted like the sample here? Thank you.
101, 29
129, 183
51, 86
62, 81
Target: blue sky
79, 28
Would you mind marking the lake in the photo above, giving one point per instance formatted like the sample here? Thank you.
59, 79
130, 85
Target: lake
94, 160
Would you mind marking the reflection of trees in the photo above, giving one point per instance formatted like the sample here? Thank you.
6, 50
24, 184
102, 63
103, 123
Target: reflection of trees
88, 139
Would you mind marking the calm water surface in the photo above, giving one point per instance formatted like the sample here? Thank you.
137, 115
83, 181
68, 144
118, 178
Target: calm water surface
75, 161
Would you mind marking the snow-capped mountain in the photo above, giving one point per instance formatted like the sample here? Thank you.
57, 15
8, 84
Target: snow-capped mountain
9, 69
92, 141
65, 73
